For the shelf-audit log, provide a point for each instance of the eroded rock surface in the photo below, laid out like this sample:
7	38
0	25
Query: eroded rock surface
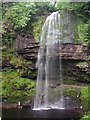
75	59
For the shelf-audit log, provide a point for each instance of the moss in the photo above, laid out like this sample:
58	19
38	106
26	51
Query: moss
15	60
88	58
72	92
85	98
37	27
0	74
69	81
28	62
86	116
84	92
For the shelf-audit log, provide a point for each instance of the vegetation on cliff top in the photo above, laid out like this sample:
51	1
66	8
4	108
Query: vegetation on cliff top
23	17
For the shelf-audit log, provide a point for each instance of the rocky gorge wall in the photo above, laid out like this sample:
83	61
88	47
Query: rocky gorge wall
75	60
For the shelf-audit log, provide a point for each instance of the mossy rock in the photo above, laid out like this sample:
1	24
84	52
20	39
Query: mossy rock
37	27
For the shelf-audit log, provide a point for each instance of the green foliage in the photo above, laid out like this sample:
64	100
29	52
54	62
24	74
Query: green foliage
67	81
8	39
15	18
82	11
81	8
15	88
45	7
63	5
37	27
0	11
10	54
84	93
85	98
1	27
86	116
19	17
72	92
88	57
19	14
23	16
83	30
0	74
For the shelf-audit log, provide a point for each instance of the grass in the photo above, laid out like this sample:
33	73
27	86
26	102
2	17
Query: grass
85	98
0	75
86	116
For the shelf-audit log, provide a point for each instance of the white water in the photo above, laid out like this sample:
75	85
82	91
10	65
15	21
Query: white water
49	87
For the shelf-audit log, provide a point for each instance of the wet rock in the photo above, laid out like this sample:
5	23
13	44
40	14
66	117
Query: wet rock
8	106
6	63
71	55
24	41
31	76
72	72
68	51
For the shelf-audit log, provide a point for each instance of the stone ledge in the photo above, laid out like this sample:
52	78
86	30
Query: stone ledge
67	51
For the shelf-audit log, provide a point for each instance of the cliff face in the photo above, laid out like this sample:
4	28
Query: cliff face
68	51
76	70
75	60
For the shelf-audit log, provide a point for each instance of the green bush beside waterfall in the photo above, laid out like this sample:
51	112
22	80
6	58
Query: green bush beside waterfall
16	89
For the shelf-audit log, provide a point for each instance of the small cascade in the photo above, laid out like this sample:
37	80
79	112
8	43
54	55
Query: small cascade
49	86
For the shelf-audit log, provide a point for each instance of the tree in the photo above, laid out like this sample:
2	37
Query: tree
83	12
15	18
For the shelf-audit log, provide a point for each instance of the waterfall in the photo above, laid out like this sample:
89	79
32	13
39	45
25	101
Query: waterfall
49	86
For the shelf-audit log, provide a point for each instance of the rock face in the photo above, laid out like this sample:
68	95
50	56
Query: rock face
6	63
23	41
75	60
68	51
74	52
73	70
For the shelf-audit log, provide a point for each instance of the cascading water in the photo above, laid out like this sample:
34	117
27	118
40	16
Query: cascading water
49	86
